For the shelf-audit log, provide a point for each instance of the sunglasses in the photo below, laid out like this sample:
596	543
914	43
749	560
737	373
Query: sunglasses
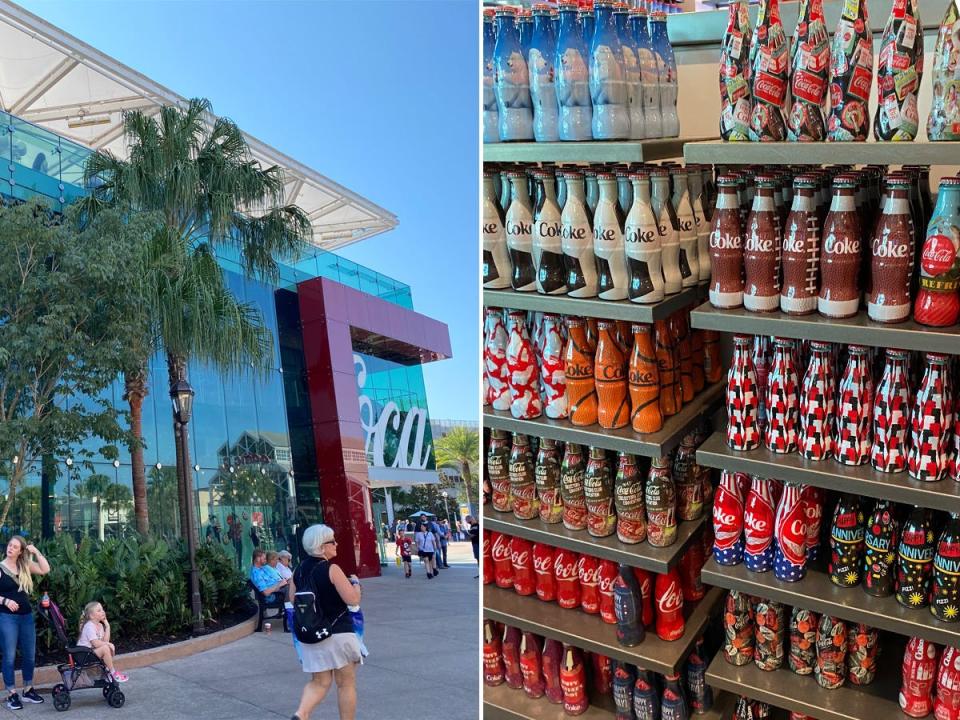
330	542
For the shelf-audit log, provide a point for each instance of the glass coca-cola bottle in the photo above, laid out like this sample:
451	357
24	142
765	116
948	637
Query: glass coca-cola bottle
769	49
491	121
546	245
938	302
540	61
644	382
598	492
553	378
726	246
761	250
577	240
801	250
840	262
888	293
511	79
579	372
628	47
810	58
686	229
735	74
649	73
666	217
851	75
660	497
608	81
899	72
496	258
573	87
642	244
700	222
846	542
519	227
547	476
891	415
743	432
608	246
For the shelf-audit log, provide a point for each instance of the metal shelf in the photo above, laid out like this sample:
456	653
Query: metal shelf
816	592
801	693
591	633
606	309
642	555
859	329
920	152
591	151
860	480
505	703
625	439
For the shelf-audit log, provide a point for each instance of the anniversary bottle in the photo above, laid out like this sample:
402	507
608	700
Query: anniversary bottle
840	263
540	61
915	561
899	71
579	370
769	61
608	82
572	470
577	240
608	246
547	474
938	303
573	87
598	493
801	249
660	497
846	542
511	80
851	75
642	245
728	521
743	432
735	74
491	122
523	379
880	543
496	259
498	470
891	269
945	592
551	277
629	501
644	382
726	246
613	408
666	224
817	404
810	59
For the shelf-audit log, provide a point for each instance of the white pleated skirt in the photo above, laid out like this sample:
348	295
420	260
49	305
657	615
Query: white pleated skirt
337	651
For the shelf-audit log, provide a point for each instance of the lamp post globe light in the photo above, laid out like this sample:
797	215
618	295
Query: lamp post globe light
446	508
182	396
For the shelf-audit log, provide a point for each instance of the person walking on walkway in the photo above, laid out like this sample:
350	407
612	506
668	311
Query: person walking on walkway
444	532
475	540
427	548
335	658
404	550
17	629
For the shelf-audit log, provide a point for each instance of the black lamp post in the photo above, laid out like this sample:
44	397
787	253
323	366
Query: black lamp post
182	395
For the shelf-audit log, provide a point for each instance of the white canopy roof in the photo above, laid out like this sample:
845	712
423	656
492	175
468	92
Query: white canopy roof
56	81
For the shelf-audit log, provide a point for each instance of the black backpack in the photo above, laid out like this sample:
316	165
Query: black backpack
310	624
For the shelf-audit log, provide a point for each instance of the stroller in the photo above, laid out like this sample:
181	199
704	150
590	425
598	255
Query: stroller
83	670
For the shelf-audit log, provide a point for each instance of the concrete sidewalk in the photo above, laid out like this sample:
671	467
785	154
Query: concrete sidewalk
424	662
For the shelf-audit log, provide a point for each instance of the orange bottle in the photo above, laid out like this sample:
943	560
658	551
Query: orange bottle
611	366
625	337
578	368
681	333
711	355
644	379
696	353
669	382
592	333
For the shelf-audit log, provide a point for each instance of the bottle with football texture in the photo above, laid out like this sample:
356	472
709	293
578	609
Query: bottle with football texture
519	229
851	75
686	230
577	240
540	61
598	492
511	657
891	269
808	77
929	423
642	244
613	405
572	82
643	378
770	65
700	222
846	542
573	681
801	250
628	604
915	561
521	558
531	665
543	560
666	217
491	124
511	80
495	371
880	544
608	81
631	66
496	258
840	261
899	72
566	564
572	470
667	70
498	470
726	247
728	521
817	405
547	474
735	74
579	368
855	409
790	533
758	519
629	501
938	302
553	377
522	479
919	674
660	498
649	73
743	432
608	244
761	250
668	597
945	592
545	244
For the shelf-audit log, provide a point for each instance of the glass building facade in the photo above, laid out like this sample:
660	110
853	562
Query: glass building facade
252	439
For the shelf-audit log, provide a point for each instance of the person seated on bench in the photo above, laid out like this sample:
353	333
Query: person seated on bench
265	578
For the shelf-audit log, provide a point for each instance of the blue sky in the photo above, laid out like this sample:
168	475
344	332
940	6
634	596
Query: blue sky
379	96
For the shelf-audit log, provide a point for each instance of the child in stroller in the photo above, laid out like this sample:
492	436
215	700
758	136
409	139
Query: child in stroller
83	668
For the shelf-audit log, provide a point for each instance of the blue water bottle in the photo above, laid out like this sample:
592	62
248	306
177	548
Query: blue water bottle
572	84
511	80
543	90
491	131
667	65
608	81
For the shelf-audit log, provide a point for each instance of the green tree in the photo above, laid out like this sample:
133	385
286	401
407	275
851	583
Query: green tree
63	332
460	449
162	501
197	173
25	510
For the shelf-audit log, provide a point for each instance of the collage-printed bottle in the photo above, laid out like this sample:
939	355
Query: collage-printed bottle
851	75
642	245
666	216
809	62
511	80
608	244
547	476
735	74
830	669
770	65
572	470
899	72
863	645
546	244
519	229
770	621
543	91
608	81
686	230
943	122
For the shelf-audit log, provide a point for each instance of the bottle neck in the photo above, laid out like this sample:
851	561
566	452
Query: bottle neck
520	190
549	188
608	190
488	190
727	198
763	200
843	200
803	198
641	190
575	188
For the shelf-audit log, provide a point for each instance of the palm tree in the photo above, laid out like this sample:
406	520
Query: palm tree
196	173
460	448
94	488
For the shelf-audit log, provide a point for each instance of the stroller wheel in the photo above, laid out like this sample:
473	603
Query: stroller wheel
116	698
106	690
61	697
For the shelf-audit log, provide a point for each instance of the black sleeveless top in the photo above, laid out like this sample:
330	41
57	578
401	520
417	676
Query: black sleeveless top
10	588
314	574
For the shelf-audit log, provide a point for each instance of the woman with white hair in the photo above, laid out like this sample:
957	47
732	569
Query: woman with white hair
283	564
334	658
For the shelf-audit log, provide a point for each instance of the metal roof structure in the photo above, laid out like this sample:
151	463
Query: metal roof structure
58	82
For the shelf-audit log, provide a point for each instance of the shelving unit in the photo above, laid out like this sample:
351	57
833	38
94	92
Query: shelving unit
829	474
919	152
623	440
642	555
592	633
591	307
859	329
620	151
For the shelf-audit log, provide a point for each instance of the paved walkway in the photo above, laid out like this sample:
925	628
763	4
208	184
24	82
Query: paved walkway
423	639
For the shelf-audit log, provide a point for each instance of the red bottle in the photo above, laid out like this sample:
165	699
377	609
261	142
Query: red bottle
946	706
919	672
790	549
855	409
492	654
669	603
488	576
761	250
690	566
550	660
938	303
511	658
728	521
783	399
500	553
531	665
566	571
743	431
573	681
546	582
929	429
588	572
891	415
758	521
608	573
521	557
840	261
522	365
602	674
817	404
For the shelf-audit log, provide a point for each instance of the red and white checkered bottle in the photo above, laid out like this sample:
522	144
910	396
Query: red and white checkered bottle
891	415
743	432
930	423
817	404
783	399
854	410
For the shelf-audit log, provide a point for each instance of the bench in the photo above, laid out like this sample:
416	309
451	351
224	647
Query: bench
264	604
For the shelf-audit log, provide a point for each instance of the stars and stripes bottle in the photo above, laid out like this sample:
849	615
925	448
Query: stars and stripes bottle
790	531
891	415
629	501
915	561
758	520
862	648
817	404
929	428
572	470
743	431
880	545
783	399
945	592
854	410
813	499
803	641
830	669
728	521
738	645
846	542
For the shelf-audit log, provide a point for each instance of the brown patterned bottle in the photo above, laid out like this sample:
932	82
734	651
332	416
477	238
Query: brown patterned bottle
523	483
498	470
801	250
644	382
891	268
579	370
840	260
547	475
598	492
726	246
761	250
613	409
572	470
669	382
681	331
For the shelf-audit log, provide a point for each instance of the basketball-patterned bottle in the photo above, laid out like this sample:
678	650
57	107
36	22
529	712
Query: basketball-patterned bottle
613	407
817	404
644	382
668	369
854	411
743	432
846	542
579	370
891	415
783	399
927	457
